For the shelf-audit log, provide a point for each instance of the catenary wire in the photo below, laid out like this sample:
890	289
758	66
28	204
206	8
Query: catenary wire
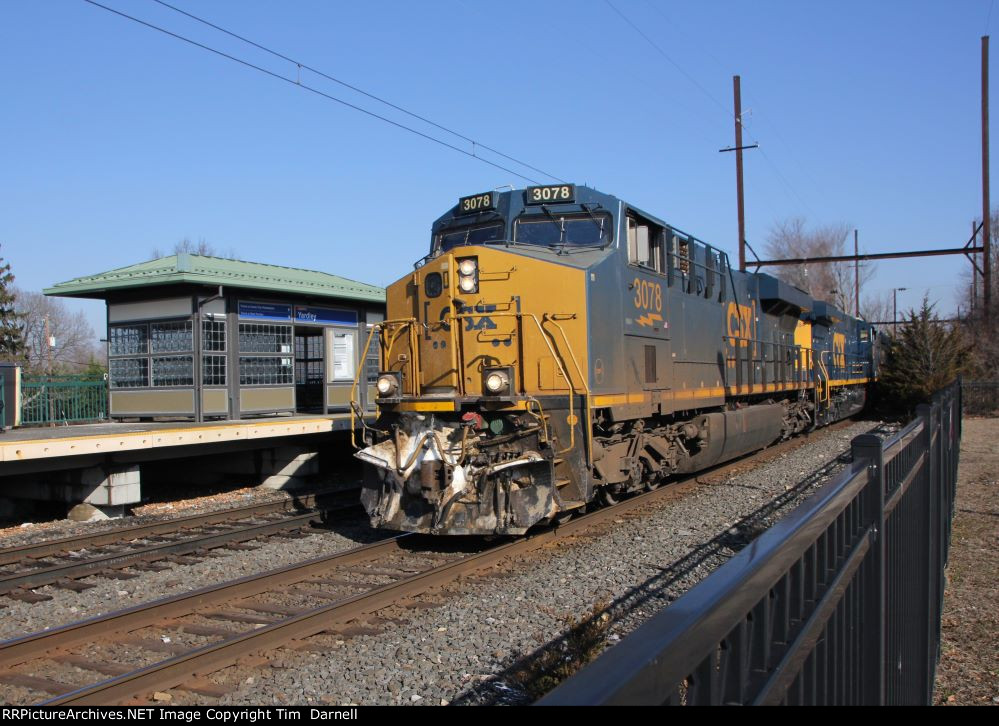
708	95
746	97
306	87
343	83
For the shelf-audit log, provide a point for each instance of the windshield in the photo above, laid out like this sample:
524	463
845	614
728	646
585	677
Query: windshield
560	229
469	236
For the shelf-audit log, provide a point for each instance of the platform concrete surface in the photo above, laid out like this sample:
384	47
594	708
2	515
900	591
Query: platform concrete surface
107	438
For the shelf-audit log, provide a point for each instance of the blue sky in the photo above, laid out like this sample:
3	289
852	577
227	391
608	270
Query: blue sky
117	139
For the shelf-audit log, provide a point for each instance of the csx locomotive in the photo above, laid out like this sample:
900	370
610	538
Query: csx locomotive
559	346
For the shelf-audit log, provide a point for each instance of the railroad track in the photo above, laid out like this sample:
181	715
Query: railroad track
175	642
63	562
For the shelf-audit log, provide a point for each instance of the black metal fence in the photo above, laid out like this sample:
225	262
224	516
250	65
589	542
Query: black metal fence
838	603
981	397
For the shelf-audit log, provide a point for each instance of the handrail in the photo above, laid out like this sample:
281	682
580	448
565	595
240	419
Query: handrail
825	374
760	627
456	330
404	323
555	357
586	389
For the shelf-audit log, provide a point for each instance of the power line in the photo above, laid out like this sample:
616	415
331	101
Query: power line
706	51
708	95
666	55
296	82
343	83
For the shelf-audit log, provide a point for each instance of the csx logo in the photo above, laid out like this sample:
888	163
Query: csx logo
839	350
482	323
740	320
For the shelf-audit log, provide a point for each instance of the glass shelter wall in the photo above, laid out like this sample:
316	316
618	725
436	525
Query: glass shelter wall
203	356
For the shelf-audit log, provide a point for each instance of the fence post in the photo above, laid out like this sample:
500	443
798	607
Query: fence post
867	447
934	535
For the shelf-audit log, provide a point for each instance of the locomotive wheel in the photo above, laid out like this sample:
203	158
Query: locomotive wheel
606	498
564	517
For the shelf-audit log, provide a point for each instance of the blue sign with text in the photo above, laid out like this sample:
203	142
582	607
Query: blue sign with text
264	311
324	316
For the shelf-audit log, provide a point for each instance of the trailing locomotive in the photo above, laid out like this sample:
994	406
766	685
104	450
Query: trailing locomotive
558	345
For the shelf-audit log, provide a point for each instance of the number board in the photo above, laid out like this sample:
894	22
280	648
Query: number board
551	194
476	203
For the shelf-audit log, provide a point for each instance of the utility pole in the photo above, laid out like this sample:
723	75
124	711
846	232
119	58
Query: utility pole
974	272
894	309
986	211
737	89
856	278
48	348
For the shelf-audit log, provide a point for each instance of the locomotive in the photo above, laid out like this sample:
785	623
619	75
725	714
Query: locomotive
559	346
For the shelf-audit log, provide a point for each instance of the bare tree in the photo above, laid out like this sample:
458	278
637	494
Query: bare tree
982	325
201	247
877	308
832	281
76	347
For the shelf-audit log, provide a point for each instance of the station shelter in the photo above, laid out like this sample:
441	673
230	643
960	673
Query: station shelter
206	338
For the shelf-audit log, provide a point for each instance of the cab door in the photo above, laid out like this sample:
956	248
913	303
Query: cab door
436	304
646	323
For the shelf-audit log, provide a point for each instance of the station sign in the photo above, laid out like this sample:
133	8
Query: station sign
264	311
324	316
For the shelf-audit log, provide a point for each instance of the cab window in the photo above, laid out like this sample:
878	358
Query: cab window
645	243
468	236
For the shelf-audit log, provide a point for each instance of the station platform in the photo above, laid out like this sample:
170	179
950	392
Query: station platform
27	444
102	464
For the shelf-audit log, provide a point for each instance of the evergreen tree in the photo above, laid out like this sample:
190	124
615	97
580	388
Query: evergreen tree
11	330
925	357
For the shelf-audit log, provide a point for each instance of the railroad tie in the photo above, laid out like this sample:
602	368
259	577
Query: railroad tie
118	574
273	608
210	631
313	592
35	683
149	566
336	582
110	669
157	646
74	585
204	687
238	617
28	596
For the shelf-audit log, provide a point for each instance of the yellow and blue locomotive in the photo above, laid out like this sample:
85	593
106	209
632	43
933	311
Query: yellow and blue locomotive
559	346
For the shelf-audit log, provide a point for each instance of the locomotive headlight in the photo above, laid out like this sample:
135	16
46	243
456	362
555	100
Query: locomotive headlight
468	274
387	384
497	380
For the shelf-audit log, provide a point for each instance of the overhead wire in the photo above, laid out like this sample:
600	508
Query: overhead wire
712	98
318	92
749	97
345	84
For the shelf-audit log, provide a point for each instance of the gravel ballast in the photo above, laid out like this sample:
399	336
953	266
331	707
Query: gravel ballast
485	631
472	642
222	565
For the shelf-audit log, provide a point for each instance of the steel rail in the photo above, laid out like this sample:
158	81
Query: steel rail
311	500
32	646
174	671
148	553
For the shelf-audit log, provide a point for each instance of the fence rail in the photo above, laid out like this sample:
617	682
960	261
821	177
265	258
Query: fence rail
981	397
61	399
838	603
